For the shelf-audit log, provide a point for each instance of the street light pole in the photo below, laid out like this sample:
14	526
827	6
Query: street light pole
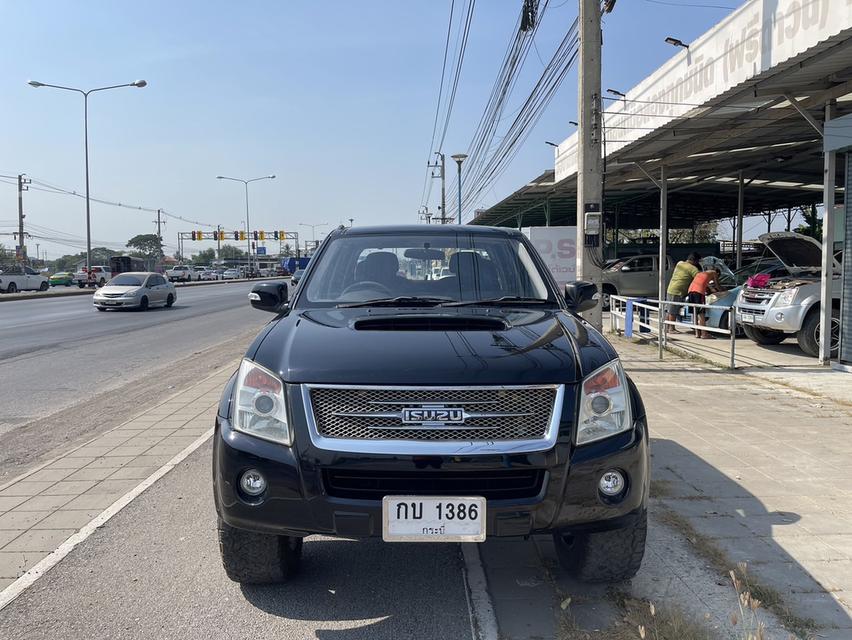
85	93
459	158
313	228
248	223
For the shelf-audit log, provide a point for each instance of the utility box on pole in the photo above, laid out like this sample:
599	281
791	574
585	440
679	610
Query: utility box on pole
590	161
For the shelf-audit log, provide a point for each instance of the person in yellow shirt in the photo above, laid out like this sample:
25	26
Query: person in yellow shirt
682	277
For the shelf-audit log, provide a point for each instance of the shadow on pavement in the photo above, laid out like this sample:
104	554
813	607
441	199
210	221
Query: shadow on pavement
787	539
371	589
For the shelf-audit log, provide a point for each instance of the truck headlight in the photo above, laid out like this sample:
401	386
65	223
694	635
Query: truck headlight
787	296
604	404
260	407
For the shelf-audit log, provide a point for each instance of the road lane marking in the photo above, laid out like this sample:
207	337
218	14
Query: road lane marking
483	622
46	564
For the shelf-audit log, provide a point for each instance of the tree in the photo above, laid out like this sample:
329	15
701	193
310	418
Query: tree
813	223
149	246
705	233
286	250
204	257
230	252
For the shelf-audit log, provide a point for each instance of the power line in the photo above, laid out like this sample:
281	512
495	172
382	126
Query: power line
691	5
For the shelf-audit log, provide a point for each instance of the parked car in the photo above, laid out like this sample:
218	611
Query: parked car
789	305
139	290
297	275
98	276
281	271
634	276
208	274
182	273
65	278
231	274
719	315
493	411
16	278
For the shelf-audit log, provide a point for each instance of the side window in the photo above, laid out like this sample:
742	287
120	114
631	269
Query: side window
642	264
30	272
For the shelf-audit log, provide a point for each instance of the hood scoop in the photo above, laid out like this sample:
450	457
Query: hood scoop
430	323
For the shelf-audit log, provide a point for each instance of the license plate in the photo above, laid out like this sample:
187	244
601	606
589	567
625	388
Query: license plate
433	519
110	304
748	318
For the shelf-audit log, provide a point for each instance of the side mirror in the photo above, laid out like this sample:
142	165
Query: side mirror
269	296
626	268
581	296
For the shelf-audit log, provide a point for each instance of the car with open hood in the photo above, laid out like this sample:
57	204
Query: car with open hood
789	305
383	402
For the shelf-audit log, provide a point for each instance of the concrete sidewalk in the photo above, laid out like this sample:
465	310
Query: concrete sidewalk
43	508
759	470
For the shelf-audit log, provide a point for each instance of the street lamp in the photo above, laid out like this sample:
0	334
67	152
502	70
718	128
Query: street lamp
616	92
248	224
675	42
136	83
459	158
313	228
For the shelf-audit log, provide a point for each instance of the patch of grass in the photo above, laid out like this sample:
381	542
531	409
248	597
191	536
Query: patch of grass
768	597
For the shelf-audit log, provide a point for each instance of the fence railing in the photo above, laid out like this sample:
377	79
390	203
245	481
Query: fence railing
638	315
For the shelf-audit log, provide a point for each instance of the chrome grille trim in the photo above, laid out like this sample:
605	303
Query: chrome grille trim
476	441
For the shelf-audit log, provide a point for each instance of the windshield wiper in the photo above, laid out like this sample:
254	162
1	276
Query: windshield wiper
413	301
497	301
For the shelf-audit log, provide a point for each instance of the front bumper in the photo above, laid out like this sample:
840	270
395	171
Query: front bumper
115	303
772	317
300	499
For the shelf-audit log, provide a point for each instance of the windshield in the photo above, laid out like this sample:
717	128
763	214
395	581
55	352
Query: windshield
448	267
126	281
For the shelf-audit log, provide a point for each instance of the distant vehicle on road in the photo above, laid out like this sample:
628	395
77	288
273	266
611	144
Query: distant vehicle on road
123	264
231	274
62	278
99	276
182	273
297	276
17	278
135	290
208	274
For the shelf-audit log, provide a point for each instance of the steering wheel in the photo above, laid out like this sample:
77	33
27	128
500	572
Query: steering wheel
366	285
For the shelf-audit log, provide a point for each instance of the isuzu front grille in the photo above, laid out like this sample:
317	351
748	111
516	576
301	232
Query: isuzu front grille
348	418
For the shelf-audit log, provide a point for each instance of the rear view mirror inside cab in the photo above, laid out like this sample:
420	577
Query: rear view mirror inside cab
424	254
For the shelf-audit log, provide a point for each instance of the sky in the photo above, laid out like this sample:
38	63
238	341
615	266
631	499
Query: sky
336	98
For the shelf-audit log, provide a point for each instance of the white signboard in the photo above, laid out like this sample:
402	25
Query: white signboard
758	36
558	249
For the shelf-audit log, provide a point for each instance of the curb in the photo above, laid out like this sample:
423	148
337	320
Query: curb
4	297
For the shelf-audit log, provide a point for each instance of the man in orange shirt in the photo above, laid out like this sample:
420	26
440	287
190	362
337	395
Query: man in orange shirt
704	283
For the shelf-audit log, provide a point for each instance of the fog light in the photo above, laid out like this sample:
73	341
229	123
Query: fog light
779	316
611	483
252	482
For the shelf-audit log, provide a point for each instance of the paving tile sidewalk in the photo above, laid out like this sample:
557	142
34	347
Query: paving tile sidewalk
46	506
762	469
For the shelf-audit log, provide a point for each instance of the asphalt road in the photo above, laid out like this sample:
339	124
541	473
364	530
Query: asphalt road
153	571
58	352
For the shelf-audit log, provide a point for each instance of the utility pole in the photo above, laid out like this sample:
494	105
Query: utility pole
442	176
219	242
424	214
22	186
590	165
159	226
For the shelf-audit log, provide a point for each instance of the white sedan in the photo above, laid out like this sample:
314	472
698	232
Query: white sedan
136	290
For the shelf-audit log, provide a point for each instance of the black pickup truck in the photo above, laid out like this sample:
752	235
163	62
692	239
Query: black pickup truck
385	401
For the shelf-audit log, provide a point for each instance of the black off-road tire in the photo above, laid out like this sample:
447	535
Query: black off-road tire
603	556
763	336
170	300
258	558
808	335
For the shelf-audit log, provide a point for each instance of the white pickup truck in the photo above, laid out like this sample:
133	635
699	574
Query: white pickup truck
99	276
17	278
183	273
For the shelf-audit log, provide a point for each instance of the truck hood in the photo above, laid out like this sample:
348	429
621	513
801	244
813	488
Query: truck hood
798	253
431	347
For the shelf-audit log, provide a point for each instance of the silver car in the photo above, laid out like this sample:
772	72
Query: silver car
136	290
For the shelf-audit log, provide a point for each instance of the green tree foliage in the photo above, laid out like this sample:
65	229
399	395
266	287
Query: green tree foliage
286	250
147	245
230	252
812	225
204	257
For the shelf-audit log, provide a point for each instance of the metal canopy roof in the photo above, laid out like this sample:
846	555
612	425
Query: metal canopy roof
753	128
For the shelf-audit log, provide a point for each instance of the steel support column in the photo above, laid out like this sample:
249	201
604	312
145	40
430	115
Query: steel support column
829	174
738	241
664	241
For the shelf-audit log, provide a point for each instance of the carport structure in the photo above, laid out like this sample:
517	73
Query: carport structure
729	127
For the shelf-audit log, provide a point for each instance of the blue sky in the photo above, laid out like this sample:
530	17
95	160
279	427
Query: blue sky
336	98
